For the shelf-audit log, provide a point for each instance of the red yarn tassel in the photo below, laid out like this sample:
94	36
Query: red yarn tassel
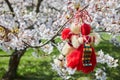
73	59
88	69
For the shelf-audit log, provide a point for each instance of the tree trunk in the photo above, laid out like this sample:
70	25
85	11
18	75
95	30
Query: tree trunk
13	65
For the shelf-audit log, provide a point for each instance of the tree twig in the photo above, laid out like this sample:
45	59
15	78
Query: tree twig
53	8
38	5
10	7
57	33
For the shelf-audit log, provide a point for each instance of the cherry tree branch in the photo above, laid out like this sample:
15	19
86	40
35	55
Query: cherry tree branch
53	8
10	7
57	33
38	5
37	11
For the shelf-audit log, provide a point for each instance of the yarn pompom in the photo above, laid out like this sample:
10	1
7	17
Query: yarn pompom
85	29
65	33
75	28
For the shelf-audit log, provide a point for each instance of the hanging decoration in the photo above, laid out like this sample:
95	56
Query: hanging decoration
83	58
78	53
